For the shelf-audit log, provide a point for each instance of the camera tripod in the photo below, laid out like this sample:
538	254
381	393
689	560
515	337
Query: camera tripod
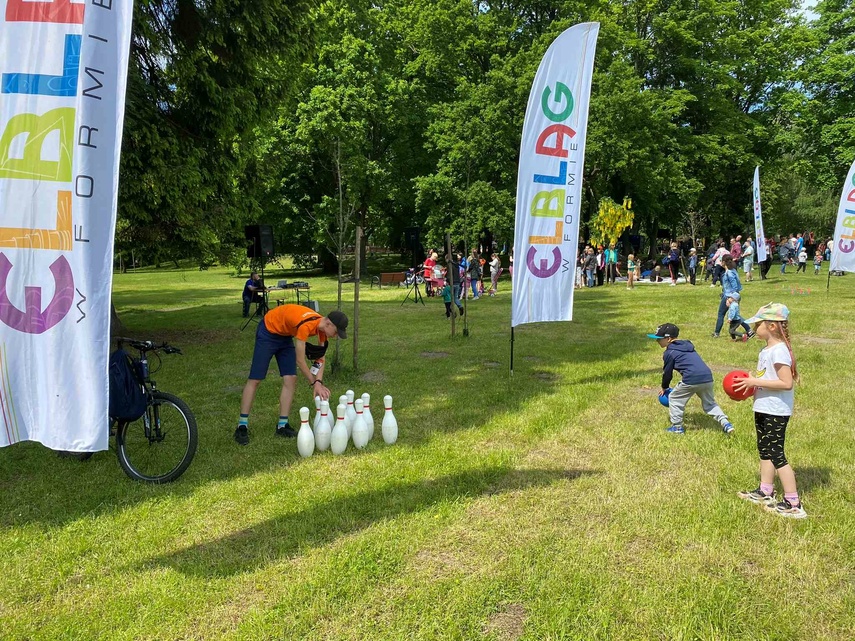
414	290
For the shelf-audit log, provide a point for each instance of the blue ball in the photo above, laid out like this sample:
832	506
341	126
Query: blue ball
664	398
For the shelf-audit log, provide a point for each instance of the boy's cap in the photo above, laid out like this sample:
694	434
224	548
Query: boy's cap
666	330
734	295
770	312
339	319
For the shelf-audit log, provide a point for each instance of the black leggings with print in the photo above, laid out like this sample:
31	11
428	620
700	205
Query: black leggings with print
771	430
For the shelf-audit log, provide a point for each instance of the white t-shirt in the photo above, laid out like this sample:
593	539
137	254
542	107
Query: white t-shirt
776	402
803	256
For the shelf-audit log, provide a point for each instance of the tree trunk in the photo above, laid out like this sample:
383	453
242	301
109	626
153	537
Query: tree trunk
356	272
450	279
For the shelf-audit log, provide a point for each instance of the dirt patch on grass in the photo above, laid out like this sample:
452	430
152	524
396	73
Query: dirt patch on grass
545	376
373	377
491	364
508	623
646	390
435	354
531	359
233	389
819	340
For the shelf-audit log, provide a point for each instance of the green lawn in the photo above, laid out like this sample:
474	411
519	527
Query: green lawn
550	505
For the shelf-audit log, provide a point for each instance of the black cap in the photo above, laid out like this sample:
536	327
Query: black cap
339	319
665	330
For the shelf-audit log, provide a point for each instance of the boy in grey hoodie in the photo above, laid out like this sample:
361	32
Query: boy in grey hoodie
697	379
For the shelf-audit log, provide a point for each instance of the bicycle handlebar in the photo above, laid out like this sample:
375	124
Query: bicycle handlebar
148	346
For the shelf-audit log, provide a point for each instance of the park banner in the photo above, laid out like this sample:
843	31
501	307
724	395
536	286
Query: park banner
549	185
759	234
843	249
63	68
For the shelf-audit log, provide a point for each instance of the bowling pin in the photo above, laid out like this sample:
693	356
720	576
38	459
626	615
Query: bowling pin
305	438
366	414
323	430
389	427
350	415
317	412
360	428
342	400
338	439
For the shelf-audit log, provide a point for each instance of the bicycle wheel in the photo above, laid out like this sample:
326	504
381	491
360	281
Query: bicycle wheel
159	446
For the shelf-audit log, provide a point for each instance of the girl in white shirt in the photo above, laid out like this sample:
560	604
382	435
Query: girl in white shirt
773	406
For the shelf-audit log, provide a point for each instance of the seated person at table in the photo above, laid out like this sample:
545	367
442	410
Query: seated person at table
252	292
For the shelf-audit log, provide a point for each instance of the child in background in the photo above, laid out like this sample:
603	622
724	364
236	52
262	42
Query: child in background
495	271
697	379
802	261
446	298
693	265
630	271
735	319
817	262
773	406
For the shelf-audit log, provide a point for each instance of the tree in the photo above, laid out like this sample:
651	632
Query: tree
201	77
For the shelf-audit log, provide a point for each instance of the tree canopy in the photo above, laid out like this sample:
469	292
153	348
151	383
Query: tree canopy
316	116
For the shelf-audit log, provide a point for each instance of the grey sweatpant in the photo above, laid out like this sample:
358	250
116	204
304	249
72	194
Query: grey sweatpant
681	394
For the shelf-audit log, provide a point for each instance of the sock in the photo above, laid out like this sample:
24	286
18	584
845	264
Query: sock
767	488
243	421
283	421
793	498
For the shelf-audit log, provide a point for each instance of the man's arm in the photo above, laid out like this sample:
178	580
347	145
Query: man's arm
318	389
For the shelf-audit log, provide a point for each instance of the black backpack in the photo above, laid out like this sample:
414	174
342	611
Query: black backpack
127	398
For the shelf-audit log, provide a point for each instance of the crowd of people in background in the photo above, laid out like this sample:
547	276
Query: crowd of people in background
599	265
461	275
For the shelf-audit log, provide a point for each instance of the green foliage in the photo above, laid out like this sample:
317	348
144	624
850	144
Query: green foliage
201	77
316	117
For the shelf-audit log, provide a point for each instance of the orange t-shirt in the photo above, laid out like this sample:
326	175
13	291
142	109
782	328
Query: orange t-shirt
286	320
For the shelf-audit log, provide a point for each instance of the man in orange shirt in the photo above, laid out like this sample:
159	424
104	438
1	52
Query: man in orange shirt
284	333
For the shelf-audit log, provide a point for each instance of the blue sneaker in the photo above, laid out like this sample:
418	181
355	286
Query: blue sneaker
728	428
676	429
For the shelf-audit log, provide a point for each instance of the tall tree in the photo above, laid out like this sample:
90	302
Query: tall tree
201	77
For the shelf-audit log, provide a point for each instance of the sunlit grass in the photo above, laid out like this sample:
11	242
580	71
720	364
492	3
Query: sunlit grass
549	505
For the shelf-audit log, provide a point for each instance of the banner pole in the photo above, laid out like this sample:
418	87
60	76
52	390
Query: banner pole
512	350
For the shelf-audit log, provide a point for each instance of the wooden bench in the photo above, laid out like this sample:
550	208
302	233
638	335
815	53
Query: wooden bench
388	278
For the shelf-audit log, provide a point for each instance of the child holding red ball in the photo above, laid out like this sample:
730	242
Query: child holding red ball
773	406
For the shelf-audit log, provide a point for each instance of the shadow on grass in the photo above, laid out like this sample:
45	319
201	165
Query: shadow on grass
285	536
456	394
812	478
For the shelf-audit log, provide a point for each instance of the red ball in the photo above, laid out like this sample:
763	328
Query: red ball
728	382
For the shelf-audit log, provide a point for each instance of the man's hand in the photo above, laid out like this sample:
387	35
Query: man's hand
318	389
662	392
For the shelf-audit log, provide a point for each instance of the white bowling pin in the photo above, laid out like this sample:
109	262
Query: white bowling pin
317	412
350	415
389	427
338	439
342	400
360	427
305	438
366	414
323	430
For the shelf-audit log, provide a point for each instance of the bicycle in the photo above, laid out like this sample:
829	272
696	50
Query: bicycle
160	445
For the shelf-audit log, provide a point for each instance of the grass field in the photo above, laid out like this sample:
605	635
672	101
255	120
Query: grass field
551	505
